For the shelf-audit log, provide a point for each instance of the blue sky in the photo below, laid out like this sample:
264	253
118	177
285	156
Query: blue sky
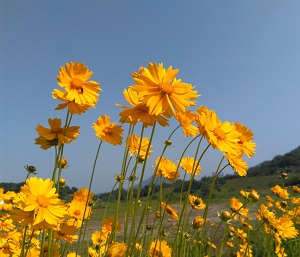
242	56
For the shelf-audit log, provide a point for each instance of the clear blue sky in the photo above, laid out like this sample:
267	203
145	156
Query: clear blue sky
242	56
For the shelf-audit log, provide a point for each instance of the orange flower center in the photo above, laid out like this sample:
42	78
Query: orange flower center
242	139
77	83
107	130
77	212
42	201
219	133
166	88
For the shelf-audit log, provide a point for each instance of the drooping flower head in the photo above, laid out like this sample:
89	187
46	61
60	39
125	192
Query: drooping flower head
237	163
73	78
185	119
107	131
160	248
56	135
162	92
245	139
169	210
139	112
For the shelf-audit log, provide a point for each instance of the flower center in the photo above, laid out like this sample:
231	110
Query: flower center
197	202
219	133
107	130
77	83
42	201
166	88
77	212
242	139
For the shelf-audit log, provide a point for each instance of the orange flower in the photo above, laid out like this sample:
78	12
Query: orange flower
108	132
136	145
139	112
196	202
162	92
185	119
160	248
56	135
169	210
166	168
189	165
73	78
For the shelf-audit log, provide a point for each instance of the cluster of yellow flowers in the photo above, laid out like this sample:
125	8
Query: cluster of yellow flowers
36	222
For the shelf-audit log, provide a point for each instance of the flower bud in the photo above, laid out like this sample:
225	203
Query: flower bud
284	175
187	236
148	227
283	204
254	196
63	162
198	222
119	178
30	169
168	142
224	216
62	182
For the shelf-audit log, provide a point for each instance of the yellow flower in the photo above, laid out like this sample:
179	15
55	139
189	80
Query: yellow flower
107	226
139	112
281	192
76	210
160	248
41	202
237	163
162	92
198	222
196	202
73	108
72	254
116	249
166	168
285	227
169	210
189	165
245	139
82	194
73	78
296	189
108	132
136	145
185	119
56	135
67	233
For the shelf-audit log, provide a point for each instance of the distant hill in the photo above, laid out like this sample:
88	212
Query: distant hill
289	163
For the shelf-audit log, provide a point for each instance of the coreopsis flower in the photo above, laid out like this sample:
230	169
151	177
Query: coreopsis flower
169	210
280	251
189	165
167	169
136	145
41	204
237	206
237	163
162	92
79	210
56	135
73	107
245	250
196	202
296	189
99	239
107	131
285	227
107	226
245	139
160	248
116	249
185	119
83	195
74	79
267	216
67	233
6	224
221	135
281	192
73	254
139	112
